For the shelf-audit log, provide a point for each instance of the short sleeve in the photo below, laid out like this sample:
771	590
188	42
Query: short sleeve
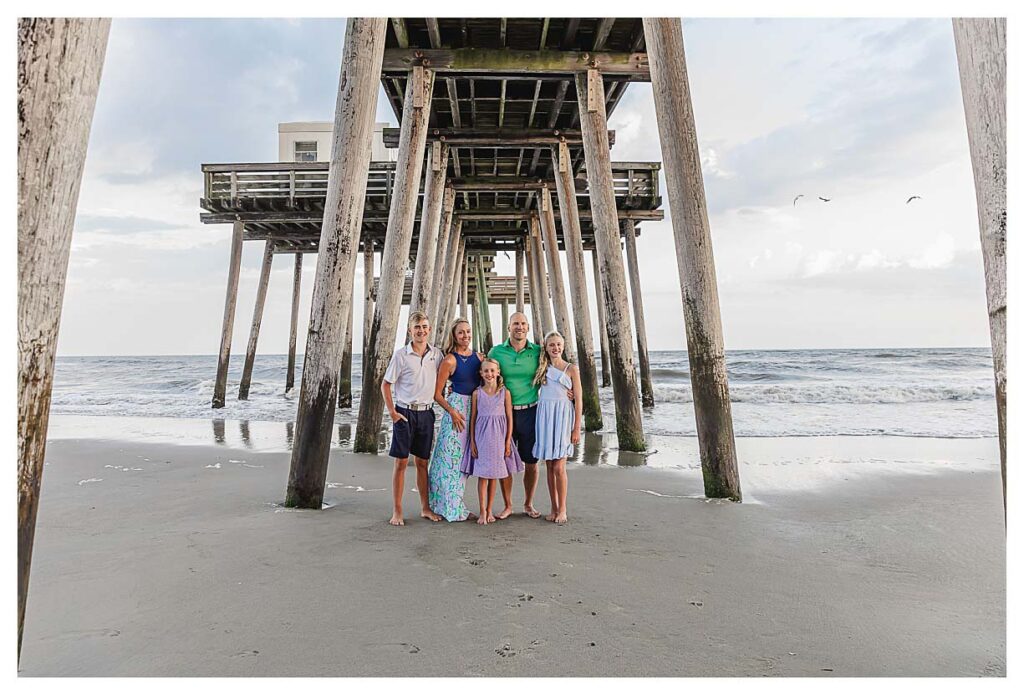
394	368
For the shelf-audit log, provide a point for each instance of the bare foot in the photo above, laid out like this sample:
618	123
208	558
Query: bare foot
531	512
505	513
491	519
551	516
482	521
561	518
427	514
396	519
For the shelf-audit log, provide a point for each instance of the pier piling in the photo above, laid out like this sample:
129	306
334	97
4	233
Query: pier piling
361	62
684	181
593	121
395	259
257	319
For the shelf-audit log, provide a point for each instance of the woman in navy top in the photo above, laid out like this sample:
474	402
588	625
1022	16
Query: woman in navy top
462	366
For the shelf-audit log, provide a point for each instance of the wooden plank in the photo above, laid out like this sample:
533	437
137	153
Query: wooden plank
628	418
571	27
604	28
981	56
59	67
543	286
503	137
433	32
355	110
500	61
575	263
394	263
697	283
449	279
401	32
453	103
257	319
293	323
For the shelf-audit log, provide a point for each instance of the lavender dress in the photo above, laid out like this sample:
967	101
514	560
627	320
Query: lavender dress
491	430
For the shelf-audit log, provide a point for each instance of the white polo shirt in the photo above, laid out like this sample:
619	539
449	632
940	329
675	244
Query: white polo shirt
413	376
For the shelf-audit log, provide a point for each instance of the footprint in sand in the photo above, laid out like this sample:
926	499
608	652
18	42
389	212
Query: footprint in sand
407	647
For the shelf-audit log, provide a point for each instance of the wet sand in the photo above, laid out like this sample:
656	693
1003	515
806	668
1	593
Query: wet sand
154	559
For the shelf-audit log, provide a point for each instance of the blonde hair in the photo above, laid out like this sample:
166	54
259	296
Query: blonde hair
491	360
449	343
417	316
541	376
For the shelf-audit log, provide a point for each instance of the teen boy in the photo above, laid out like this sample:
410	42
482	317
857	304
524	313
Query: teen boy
410	380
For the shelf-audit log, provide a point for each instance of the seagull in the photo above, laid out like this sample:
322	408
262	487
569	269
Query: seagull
797	198
913	197
824	200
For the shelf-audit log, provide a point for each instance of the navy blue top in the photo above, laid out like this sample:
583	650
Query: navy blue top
466	376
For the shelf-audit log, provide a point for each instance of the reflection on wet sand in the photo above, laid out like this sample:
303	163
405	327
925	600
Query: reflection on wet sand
595	449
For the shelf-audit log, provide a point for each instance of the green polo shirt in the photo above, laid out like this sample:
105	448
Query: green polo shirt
518	369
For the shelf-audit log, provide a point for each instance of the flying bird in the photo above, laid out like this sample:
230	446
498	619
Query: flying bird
913	197
824	200
797	198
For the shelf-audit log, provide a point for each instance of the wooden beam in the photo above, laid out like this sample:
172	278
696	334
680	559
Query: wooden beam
257	319
602	326
354	114
345	373
394	263
497	137
445	240
430	222
448	280
628	418
520	295
433	32
220	383
59	67
369	293
293	323
575	263
571	27
604	28
981	56
554	272
453	103
531	279
543	286
500	61
401	32
697	283
635	291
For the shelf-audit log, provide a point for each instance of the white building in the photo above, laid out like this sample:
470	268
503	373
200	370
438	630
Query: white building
310	141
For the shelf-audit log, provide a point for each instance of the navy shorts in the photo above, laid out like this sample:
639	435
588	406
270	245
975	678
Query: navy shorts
414	435
524	432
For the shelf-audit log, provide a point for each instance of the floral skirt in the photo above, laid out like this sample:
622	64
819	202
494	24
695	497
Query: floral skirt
447	482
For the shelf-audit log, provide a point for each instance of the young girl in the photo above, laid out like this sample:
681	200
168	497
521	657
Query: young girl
490	455
558	419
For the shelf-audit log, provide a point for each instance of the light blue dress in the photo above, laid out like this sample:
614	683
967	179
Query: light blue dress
556	416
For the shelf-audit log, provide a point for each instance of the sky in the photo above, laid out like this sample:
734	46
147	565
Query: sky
864	112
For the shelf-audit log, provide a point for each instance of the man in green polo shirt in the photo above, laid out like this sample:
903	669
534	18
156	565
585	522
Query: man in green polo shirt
519	359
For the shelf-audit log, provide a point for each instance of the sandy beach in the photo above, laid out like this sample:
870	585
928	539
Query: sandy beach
160	559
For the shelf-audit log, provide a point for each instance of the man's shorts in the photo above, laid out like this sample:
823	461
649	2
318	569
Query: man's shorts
524	432
414	435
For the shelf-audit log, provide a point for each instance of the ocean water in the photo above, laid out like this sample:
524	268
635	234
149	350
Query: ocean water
775	393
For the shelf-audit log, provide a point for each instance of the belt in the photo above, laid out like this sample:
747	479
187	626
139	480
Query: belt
414	406
523	407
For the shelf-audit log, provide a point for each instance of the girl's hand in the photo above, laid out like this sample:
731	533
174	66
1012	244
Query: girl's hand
458	420
472	450
575	435
571	395
508	449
